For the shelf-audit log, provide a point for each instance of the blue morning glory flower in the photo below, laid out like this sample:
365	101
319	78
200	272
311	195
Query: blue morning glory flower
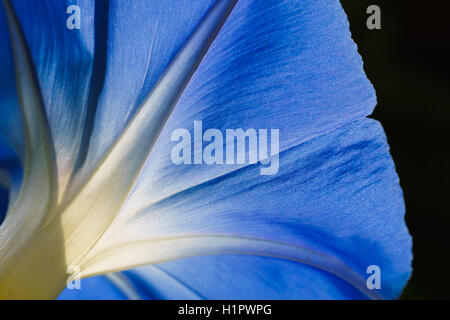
115	156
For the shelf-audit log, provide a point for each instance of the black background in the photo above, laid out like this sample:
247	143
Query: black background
408	63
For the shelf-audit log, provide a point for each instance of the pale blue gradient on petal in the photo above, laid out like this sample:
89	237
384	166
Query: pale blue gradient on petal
138	51
289	65
337	194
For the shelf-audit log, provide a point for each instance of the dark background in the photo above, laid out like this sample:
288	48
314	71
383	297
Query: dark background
408	62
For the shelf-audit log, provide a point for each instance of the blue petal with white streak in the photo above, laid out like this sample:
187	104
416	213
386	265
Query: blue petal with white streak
337	194
63	60
287	65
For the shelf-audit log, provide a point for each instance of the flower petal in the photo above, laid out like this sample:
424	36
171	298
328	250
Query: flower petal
11	127
3	202
336	195
12	146
11	175
36	197
63	60
242	278
8	161
287	65
87	215
225	277
137	53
